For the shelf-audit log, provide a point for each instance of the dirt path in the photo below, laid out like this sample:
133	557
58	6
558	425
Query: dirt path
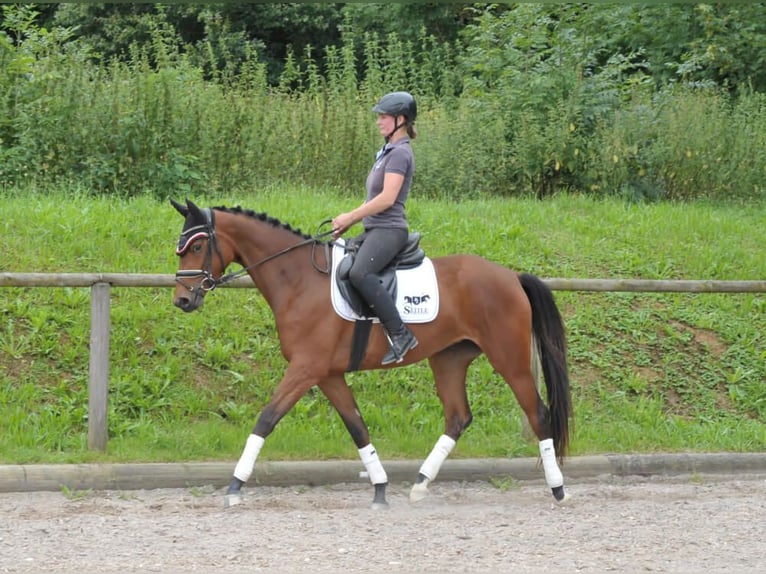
684	525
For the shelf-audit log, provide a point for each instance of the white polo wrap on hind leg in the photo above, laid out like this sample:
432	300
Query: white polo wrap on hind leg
431	465
553	475
372	463
246	463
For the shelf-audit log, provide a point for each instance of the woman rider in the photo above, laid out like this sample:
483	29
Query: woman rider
384	219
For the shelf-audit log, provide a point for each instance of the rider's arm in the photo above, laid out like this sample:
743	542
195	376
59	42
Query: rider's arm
392	183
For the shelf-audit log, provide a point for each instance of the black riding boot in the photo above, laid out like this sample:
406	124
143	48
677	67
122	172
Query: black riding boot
400	338
401	341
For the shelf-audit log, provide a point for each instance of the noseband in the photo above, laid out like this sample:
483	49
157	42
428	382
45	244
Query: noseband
207	230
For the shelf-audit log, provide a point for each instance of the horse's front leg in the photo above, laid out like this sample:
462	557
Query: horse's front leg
293	386
341	397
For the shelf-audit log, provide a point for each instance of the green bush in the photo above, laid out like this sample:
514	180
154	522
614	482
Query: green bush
527	107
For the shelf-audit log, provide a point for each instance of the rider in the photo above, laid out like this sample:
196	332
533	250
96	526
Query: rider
383	216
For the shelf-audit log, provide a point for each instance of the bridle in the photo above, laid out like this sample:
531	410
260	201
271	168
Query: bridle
207	230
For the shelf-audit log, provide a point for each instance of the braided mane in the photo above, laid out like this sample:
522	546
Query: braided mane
262	217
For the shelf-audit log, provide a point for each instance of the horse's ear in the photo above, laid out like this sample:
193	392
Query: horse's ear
182	209
194	210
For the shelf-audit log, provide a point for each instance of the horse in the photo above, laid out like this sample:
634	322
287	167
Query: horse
484	307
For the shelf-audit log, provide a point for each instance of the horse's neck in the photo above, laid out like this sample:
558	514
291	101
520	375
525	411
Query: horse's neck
285	277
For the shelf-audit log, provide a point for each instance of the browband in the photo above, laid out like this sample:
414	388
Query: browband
183	242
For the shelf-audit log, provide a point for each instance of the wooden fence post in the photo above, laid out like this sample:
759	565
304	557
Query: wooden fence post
98	388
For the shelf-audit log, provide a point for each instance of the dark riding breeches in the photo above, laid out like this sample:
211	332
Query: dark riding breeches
380	245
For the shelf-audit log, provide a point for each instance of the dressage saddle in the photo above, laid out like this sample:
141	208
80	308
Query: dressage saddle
411	255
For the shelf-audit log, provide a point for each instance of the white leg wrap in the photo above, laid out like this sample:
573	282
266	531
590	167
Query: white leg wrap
246	463
430	467
372	463
553	475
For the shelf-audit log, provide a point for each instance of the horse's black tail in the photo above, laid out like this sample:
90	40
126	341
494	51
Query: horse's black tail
548	329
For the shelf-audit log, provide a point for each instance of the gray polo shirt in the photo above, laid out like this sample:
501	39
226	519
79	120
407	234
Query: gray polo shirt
393	158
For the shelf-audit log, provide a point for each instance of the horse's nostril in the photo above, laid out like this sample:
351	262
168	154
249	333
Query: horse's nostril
187	304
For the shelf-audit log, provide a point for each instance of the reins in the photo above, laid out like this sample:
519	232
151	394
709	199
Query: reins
209	282
315	239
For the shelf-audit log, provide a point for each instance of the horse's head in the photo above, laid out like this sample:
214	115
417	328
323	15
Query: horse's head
201	261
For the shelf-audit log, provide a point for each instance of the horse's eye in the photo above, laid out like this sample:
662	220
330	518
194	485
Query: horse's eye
196	248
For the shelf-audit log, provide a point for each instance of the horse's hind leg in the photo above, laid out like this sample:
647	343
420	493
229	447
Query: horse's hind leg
341	397
515	364
449	368
537	373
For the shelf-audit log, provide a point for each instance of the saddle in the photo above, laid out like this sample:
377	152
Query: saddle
410	256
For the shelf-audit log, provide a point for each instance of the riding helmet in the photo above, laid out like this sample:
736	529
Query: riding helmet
398	104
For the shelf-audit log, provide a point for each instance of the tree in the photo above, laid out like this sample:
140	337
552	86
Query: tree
443	20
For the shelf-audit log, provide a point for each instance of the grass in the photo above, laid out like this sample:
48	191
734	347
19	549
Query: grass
650	372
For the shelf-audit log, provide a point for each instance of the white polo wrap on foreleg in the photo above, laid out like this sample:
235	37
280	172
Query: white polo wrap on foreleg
553	475
246	463
372	463
430	467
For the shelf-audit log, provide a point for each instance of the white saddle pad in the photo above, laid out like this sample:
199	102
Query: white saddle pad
417	293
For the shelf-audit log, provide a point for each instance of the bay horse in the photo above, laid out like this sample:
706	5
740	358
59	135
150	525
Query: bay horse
483	308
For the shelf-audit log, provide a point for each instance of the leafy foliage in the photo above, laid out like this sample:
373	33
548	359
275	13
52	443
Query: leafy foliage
645	102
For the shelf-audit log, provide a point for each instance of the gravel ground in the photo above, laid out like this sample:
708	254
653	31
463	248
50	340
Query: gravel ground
690	524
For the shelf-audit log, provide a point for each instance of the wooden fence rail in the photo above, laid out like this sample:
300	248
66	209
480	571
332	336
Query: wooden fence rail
557	284
100	321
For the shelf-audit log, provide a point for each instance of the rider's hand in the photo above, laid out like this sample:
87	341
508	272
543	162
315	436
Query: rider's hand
341	224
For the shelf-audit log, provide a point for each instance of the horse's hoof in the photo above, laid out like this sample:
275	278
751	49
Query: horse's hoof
232	500
379	500
564	501
419	492
560	495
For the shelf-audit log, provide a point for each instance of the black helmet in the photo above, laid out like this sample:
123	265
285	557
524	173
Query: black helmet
398	104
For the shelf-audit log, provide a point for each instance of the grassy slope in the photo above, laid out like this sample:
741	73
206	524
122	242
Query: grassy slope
649	371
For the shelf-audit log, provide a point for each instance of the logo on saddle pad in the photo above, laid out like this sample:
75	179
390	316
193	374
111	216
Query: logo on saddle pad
416	305
415	290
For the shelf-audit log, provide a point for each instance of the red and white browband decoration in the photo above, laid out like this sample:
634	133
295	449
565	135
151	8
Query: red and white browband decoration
183	246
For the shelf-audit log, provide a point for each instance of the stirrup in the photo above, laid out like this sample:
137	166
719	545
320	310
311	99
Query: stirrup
394	356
